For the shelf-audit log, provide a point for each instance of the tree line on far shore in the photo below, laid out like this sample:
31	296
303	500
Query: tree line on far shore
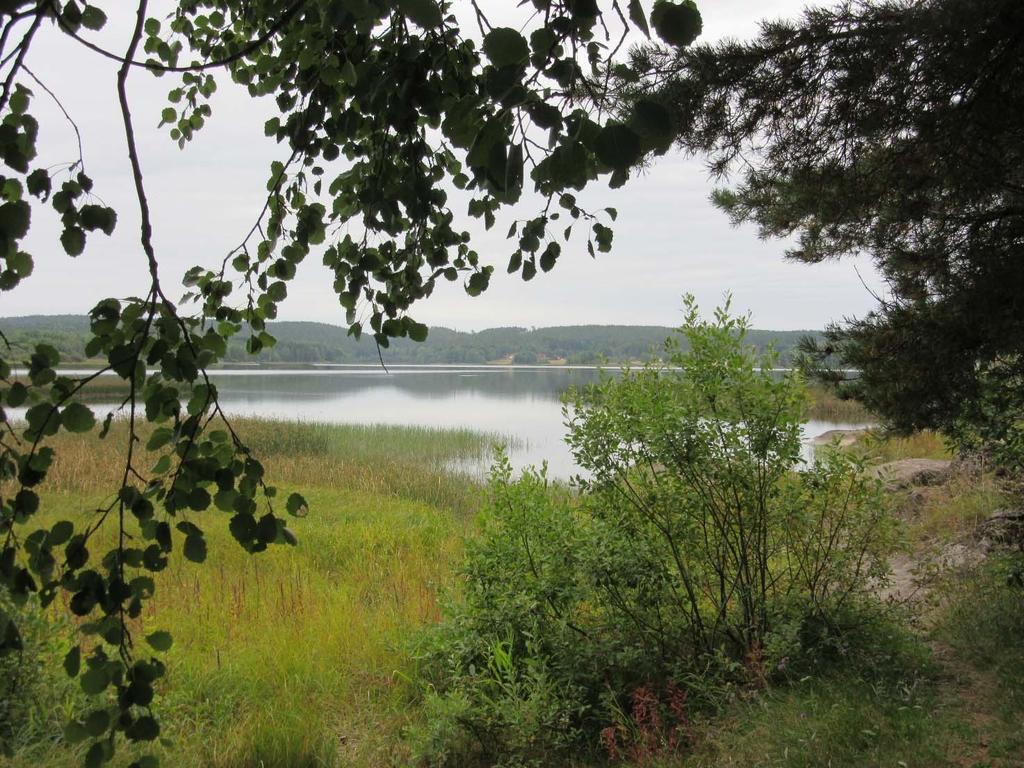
307	342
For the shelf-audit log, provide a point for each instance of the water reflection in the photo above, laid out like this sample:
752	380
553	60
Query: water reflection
520	403
524	403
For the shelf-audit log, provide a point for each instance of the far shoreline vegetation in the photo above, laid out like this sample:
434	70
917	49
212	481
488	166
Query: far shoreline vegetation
300	342
637	344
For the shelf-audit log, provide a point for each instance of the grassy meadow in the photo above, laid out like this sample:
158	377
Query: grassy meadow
296	656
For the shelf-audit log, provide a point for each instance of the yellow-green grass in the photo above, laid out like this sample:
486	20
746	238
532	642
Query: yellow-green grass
407	462
296	656
948	511
881	447
949	694
952	511
953	697
944	691
825	405
842	721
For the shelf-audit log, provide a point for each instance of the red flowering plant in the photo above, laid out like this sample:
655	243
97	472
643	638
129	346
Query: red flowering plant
656	722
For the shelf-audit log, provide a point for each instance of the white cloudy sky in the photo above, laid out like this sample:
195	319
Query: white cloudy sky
668	238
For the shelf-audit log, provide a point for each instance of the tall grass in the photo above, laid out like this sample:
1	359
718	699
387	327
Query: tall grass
925	444
293	657
418	463
825	405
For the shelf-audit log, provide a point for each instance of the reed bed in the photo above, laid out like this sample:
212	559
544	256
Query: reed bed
99	390
825	405
417	463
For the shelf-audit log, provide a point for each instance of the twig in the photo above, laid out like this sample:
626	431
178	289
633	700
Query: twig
156	67
22	49
74	125
380	356
146	236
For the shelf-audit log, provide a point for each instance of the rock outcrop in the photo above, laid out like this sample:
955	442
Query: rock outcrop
1004	527
842	437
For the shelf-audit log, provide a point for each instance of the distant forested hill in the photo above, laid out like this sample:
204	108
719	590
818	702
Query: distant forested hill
302	342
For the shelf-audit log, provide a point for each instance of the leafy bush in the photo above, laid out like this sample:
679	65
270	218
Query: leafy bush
698	554
990	427
511	672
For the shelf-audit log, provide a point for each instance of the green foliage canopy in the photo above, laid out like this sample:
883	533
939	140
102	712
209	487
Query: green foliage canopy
383	107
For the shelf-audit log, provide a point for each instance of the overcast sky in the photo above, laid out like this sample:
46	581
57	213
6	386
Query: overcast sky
669	239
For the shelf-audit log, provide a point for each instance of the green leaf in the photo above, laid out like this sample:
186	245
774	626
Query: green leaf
160	640
77	418
75	732
618	146
195	548
426	13
550	256
97	722
19	100
97	755
652	122
60	533
73	240
94	681
243	528
17	394
417	331
144	729
638	17
73	661
160	437
505	47
38	183
14	219
297	506
348	73
477	283
678	24
93	18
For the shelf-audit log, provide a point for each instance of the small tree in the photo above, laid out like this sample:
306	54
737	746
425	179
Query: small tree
693	479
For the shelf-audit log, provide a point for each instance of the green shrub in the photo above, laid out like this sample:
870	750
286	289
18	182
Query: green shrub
698	554
509	672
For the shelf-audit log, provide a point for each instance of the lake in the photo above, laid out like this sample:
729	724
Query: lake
522	402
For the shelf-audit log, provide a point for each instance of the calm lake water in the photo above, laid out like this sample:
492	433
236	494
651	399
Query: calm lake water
521	402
